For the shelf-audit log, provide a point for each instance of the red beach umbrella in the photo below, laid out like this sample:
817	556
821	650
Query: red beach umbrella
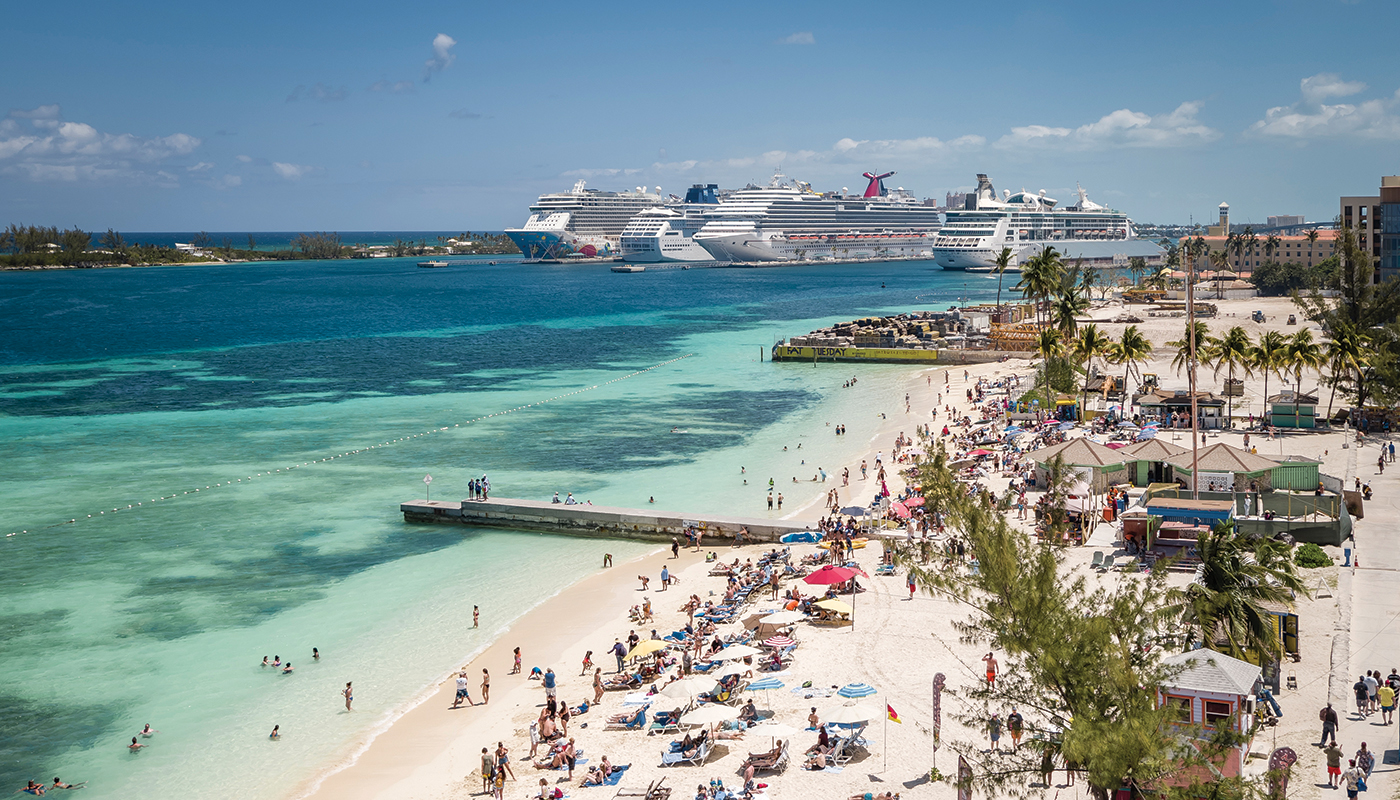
780	641
913	502
900	510
830	574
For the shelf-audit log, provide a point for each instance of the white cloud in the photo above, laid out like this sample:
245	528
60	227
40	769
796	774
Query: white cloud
290	171
245	159
1122	128
1312	119
1328	84
801	37
393	87
203	166
319	92
229	181
53	149
442	56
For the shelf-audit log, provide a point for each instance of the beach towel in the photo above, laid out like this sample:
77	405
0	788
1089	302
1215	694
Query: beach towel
809	692
616	775
834	770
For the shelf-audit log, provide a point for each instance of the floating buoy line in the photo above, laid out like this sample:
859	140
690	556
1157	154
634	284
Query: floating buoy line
283	470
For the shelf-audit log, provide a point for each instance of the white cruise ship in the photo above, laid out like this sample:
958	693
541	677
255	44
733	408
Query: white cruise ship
1024	222
787	221
582	223
666	233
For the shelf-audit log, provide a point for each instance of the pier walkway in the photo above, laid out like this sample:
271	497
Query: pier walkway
585	520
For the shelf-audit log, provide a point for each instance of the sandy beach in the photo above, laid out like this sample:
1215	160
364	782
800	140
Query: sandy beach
897	644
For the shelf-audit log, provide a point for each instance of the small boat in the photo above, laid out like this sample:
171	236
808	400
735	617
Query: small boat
433	264
679	430
629	268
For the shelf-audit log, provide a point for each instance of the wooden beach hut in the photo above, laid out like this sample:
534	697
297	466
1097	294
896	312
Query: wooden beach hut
1224	469
1209	689
1283	413
1149	461
1099	466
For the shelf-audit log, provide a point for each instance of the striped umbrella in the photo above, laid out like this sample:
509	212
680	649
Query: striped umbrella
780	641
766	685
856	690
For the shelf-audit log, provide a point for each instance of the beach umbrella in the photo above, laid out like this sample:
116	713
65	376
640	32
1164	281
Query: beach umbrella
783	618
1066	426
914	502
1127	424
780	641
732	668
736	651
854	690
1147	433
831	574
851	715
899	510
839	606
980	452
690	687
767	685
709	714
773	729
647	648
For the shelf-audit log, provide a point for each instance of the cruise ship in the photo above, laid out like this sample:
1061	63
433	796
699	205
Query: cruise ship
787	221
666	233
582	223
972	237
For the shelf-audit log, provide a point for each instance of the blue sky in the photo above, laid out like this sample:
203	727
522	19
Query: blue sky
428	116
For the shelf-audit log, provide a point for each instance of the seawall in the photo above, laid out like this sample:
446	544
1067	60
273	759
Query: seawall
583	520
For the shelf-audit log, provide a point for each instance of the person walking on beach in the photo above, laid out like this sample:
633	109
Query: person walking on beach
619	651
486	688
476	617
994	732
675	548
587	662
1334	764
598	685
488	770
1328	716
516	669
991	663
349	695
1015	725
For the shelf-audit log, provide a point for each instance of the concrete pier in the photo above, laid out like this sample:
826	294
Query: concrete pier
602	521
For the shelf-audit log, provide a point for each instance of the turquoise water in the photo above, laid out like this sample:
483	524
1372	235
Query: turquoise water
297	392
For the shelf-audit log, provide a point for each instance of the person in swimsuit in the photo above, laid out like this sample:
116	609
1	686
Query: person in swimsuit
516	670
148	732
276	733
264	663
349	695
476	617
135	745
485	686
31	788
991	663
315	654
276	662
503	758
58	784
587	662
287	670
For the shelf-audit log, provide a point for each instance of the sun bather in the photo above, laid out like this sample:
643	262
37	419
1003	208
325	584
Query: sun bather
597	775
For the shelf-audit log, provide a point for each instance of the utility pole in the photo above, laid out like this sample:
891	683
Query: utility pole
1191	365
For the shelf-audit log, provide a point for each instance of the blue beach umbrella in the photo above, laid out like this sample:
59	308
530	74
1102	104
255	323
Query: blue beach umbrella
1066	426
856	690
1147	433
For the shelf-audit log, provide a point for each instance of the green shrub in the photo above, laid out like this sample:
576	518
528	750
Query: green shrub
1310	556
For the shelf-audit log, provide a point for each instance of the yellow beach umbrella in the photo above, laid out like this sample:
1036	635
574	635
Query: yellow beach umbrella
647	648
839	606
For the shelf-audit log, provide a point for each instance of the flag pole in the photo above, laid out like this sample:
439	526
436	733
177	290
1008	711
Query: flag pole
885	767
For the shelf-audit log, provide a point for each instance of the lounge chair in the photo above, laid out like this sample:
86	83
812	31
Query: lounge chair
697	757
1108	563
622	682
1097	563
628	723
654	791
668	721
775	760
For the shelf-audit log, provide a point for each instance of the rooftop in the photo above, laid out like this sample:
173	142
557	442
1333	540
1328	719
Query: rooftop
1209	671
1222	457
1079	453
1152	450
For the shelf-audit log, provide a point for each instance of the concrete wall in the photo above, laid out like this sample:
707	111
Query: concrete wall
582	520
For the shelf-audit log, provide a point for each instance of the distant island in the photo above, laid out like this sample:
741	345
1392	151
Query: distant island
39	247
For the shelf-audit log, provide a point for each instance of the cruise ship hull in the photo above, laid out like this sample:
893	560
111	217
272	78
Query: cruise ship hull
780	247
537	244
659	249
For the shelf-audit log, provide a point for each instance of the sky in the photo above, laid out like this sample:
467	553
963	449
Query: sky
359	115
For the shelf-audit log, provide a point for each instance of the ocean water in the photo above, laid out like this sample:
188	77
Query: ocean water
232	443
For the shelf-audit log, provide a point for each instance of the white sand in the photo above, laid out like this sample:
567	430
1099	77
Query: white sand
896	645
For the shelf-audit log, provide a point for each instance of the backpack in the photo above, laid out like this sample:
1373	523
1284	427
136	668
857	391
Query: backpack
1322	715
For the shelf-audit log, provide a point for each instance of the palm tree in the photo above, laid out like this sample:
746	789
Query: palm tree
1003	261
1238	575
1040	277
1271	246
1132	349
1221	261
1232	351
1091	344
1311	236
1236	243
1269	355
1302	353
1250	240
1348	351
1050	345
1205	344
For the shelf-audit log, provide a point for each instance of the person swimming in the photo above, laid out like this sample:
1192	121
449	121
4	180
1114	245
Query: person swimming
315	654
135	745
276	732
148	732
287	670
264	663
